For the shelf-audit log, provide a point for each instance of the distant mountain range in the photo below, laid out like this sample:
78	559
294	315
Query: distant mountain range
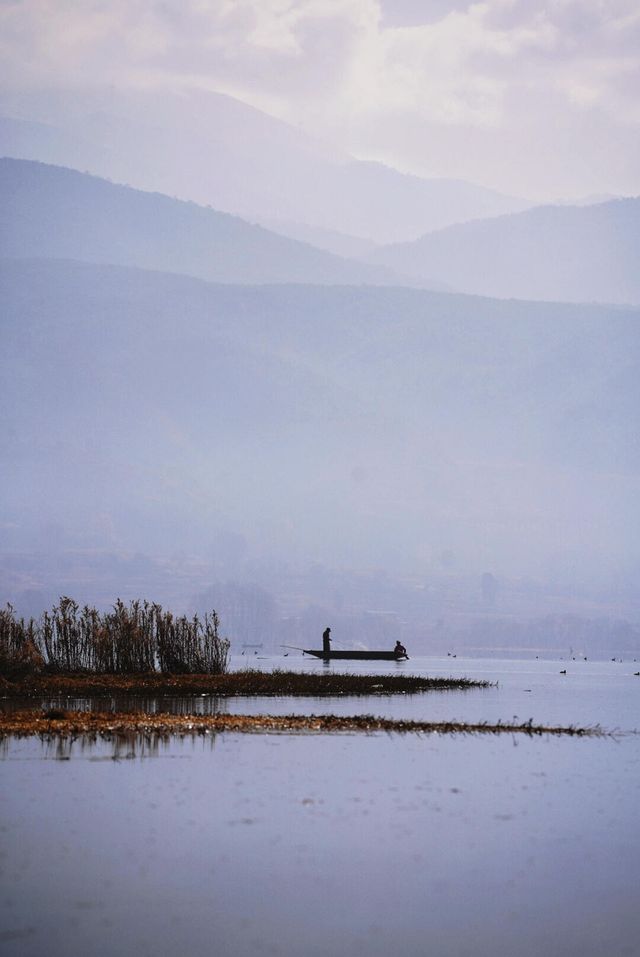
52	212
568	253
215	150
365	427
563	253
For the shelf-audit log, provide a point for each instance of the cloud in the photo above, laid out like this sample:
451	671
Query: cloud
342	68
342	53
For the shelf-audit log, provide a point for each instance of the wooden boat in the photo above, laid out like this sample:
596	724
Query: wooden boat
354	655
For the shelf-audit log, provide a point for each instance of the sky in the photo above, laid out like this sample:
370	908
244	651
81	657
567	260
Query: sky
540	99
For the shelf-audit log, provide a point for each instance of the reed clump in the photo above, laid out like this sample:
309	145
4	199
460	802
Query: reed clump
130	639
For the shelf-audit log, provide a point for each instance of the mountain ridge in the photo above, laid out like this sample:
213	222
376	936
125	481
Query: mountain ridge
553	252
215	149
53	211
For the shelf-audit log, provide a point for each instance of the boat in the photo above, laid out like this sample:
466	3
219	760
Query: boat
355	655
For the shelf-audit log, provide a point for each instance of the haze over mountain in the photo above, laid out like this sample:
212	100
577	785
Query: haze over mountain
215	150
49	211
328	239
360	427
576	254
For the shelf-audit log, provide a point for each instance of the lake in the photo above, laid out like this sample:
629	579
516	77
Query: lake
348	844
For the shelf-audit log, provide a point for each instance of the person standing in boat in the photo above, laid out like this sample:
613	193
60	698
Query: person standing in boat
326	641
400	650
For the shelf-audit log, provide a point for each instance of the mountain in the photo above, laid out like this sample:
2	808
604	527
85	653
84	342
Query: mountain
576	254
48	211
215	150
357	426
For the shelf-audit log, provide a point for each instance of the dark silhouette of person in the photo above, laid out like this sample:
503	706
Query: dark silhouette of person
326	641
400	650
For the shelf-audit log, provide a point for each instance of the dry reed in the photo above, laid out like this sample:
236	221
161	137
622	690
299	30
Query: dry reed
60	723
131	639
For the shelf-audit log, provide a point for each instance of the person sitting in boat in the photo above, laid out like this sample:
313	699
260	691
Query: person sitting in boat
326	641
400	650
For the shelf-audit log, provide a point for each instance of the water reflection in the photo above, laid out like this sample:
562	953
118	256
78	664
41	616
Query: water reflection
120	746
202	704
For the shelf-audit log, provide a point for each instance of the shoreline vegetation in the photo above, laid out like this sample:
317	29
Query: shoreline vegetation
56	724
248	682
130	639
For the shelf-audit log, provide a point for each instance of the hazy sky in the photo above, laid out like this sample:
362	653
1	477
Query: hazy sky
536	98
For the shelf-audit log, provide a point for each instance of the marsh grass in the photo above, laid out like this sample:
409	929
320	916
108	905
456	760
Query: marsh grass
130	639
247	682
93	725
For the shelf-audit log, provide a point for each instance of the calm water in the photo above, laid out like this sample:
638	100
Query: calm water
324	845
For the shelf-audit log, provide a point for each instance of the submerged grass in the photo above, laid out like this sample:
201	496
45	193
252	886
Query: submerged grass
235	683
55	724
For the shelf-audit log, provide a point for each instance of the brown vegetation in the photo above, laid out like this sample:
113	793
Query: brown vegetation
249	682
57	723
140	637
